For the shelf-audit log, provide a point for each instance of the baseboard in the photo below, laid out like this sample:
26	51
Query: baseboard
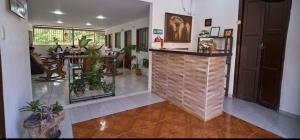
289	114
70	106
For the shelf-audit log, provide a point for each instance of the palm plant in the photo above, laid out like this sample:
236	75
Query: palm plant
34	106
57	108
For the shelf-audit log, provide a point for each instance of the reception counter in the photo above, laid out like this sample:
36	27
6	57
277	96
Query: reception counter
192	80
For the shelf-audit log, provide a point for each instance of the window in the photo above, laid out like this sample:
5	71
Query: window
44	36
142	39
118	40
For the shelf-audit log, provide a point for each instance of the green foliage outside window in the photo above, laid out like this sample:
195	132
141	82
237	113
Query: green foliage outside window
44	36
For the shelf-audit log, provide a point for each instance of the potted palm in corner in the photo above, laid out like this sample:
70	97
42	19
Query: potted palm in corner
137	50
44	119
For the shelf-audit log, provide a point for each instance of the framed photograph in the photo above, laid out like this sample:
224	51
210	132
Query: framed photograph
214	31
19	7
228	32
208	22
178	28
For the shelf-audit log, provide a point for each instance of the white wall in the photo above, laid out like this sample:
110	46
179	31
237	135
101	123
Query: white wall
224	13
290	93
15	69
158	10
133	26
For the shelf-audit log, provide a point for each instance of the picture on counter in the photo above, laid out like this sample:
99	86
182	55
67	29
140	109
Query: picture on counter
228	32
178	28
207	44
19	7
214	31
208	22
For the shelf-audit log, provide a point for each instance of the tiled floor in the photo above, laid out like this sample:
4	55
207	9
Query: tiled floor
111	106
270	120
164	120
49	92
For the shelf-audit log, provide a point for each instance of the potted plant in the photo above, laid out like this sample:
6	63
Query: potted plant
107	87
51	51
94	76
78	86
135	66
44	119
92	53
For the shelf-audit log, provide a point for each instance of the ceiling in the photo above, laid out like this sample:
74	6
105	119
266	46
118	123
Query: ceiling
79	12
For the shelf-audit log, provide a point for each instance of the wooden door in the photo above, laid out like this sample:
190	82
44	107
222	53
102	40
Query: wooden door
261	52
142	39
2	120
252	32
128	42
274	42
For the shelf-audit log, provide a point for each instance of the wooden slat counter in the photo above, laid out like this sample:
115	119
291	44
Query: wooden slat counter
191	80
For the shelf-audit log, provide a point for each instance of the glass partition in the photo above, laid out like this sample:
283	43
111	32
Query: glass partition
89	79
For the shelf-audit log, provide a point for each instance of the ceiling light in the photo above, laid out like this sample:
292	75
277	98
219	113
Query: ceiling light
100	17
59	22
58	12
88	24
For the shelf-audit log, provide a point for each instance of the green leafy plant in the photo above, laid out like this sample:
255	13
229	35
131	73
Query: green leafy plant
94	77
78	86
57	107
137	54
51	50
33	106
55	40
83	42
107	87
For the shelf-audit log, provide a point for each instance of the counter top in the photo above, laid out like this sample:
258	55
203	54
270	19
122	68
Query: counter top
216	53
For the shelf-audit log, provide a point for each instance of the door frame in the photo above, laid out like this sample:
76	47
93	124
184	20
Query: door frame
2	116
239	43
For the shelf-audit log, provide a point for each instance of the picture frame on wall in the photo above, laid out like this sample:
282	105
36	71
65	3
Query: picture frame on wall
19	7
208	22
214	31
228	32
178	28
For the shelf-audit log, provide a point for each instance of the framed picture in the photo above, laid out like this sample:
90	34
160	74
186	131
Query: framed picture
214	31
19	7
228	32
178	28
208	22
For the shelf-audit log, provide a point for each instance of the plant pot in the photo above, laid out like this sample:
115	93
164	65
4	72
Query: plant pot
79	93
138	72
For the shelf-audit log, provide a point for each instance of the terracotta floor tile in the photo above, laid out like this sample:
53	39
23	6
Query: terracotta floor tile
148	131
169	129
165	120
263	134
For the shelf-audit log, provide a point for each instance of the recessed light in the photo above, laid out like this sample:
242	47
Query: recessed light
88	24
100	17
58	12
59	22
